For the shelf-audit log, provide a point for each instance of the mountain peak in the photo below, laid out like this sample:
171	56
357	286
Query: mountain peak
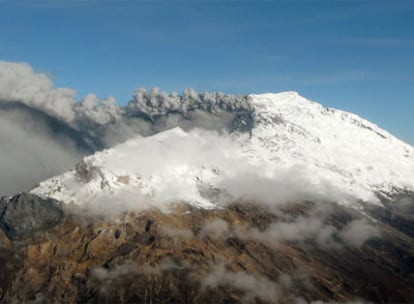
279	94
315	151
286	97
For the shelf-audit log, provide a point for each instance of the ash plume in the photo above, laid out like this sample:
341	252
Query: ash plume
47	130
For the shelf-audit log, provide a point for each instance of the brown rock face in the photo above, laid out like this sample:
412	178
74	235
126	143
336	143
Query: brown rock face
242	253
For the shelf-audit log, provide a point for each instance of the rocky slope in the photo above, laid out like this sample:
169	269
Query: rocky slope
193	255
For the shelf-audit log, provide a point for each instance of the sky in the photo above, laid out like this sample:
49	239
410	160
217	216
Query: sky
352	55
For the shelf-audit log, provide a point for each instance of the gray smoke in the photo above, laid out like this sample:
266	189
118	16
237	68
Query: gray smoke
45	130
156	103
30	151
19	83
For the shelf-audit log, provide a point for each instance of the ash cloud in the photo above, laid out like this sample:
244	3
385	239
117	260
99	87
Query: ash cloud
50	130
19	83
156	103
30	152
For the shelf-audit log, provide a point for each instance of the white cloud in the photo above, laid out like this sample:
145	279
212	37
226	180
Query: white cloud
215	229
254	287
358	232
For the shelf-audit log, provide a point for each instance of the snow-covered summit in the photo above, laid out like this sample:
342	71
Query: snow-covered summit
338	146
296	142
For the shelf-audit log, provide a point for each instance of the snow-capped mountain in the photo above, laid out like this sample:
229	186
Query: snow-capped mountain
295	145
246	214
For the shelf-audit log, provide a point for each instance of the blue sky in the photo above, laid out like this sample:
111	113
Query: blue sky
352	55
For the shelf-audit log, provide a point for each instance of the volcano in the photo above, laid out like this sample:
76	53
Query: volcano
287	140
292	202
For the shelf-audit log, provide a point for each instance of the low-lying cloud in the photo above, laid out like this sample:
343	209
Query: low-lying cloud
358	232
310	222
355	234
215	229
294	183
253	287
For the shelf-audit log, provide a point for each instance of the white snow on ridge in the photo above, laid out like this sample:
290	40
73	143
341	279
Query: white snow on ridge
343	148
319	149
154	171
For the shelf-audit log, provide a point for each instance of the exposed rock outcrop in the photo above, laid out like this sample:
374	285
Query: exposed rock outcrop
25	214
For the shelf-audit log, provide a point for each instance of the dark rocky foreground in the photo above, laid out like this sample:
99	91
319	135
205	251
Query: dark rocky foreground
25	214
55	254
